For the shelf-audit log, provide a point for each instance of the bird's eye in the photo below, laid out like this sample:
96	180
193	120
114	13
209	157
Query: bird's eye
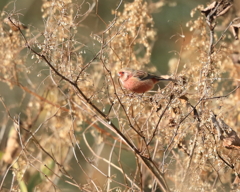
120	73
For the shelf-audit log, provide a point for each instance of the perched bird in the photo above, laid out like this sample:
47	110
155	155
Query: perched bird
139	81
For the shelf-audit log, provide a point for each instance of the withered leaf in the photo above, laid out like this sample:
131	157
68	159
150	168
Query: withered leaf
176	110
172	123
231	141
217	9
195	114
235	57
159	108
184	98
224	7
235	30
236	181
209	8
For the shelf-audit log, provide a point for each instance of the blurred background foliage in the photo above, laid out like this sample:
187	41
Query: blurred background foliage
168	19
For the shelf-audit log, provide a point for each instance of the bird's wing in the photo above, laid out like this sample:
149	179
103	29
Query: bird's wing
140	74
157	78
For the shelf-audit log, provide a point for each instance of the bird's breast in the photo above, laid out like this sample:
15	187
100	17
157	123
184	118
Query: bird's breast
138	86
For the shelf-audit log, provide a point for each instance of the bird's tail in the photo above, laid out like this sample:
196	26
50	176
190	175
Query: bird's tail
165	78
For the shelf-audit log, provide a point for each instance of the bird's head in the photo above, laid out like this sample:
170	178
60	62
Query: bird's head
124	74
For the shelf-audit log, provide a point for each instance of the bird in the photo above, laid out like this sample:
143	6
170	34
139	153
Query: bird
139	81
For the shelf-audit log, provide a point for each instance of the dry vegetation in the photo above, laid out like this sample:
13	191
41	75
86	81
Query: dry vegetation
78	130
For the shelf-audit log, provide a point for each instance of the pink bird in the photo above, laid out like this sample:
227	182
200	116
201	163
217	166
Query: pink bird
139	81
